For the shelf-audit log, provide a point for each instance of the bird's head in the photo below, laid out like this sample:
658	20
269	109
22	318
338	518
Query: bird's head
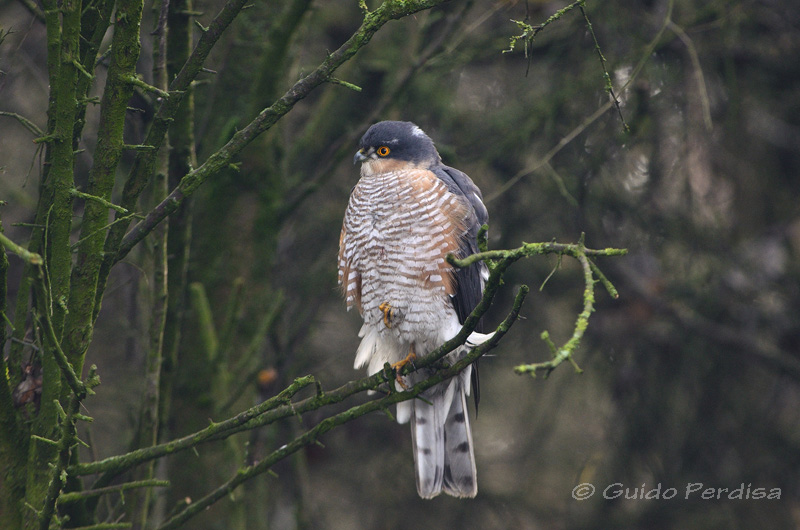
388	145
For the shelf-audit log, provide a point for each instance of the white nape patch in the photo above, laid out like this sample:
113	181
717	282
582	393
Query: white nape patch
416	131
393	141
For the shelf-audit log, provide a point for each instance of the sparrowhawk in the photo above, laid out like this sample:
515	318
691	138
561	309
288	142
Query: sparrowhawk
405	214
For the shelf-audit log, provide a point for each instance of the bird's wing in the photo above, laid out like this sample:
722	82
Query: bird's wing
349	278
470	280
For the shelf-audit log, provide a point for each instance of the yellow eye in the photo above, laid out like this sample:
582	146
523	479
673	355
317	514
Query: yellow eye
383	151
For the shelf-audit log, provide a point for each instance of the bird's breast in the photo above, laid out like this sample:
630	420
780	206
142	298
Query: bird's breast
400	227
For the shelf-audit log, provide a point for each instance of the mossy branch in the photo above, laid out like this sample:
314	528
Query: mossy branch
312	435
76	496
281	406
497	258
66	441
67	371
529	32
372	22
565	352
608	85
108	204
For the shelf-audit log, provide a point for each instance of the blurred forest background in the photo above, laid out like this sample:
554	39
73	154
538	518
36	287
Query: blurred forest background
691	376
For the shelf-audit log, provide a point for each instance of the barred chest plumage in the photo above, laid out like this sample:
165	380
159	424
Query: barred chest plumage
398	228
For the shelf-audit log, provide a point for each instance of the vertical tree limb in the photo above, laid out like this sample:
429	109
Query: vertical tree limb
54	214
142	168
13	443
149	420
116	94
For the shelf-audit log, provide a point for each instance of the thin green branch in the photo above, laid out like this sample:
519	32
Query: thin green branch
67	439
345	84
137	82
103	228
564	353
608	85
117	464
529	32
501	258
75	496
89	197
68	372
58	478
105	526
532	249
602	277
31	257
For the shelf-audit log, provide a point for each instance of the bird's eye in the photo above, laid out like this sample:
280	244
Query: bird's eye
383	151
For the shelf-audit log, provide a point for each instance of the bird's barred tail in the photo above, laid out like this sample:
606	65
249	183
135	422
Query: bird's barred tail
443	455
460	476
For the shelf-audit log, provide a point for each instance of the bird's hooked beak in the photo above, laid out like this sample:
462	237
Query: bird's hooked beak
361	155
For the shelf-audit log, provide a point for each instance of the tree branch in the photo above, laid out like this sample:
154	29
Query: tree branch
280	407
31	257
116	94
312	435
25	122
580	253
565	352
144	163
373	21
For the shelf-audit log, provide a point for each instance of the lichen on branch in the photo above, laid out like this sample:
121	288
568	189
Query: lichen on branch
591	274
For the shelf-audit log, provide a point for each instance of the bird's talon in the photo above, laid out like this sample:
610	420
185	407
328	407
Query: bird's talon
410	358
388	313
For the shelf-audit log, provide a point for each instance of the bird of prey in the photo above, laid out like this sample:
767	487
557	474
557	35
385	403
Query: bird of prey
405	214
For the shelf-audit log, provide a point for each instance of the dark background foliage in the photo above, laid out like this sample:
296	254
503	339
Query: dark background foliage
691	376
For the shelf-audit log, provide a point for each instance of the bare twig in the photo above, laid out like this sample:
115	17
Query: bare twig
609	86
645	57
25	122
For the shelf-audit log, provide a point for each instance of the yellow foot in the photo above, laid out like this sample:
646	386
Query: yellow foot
388	313
410	358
